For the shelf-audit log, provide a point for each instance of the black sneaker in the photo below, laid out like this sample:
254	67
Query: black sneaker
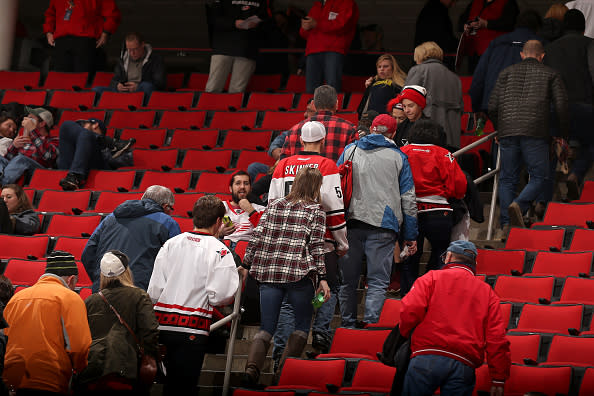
72	181
120	146
321	342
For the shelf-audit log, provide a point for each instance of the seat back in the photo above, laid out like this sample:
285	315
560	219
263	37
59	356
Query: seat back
64	201
108	200
281	120
170	100
583	240
219	101
587	385
184	204
525	346
62	80
213	182
72	245
562	264
496	262
548	380
550	318
188	139
562	214
238	120
358	342
24	272
132	119
110	180
46	178
35	98
575	351
23	246
371	376
311	374
390	315
74	226
72	100
182	119
577	291
207	160
528	239
118	100
524	289
270	101
151	138
175	181
155	159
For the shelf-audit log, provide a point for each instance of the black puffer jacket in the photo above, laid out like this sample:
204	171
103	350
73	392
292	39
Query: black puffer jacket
521	101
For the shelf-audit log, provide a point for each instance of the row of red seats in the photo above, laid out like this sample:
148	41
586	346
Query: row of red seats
551	239
173	100
175	81
518	262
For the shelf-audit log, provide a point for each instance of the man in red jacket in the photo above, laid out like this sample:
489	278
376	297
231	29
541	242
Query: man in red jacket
454	319
329	29
76	28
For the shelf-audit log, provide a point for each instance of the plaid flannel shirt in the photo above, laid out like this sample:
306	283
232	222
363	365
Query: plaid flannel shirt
288	243
43	149
339	133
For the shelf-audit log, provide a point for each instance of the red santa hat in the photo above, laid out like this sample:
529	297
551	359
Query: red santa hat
415	93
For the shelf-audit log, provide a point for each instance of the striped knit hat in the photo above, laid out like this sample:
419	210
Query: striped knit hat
61	263
416	93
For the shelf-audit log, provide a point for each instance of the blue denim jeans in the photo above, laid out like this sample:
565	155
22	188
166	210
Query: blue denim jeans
255	168
79	149
515	151
144	86
299	295
378	246
323	66
436	226
426	373
12	170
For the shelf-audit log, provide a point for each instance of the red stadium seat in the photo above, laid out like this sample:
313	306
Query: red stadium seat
24	272
72	100
60	80
587	194
264	82
67	202
219	101
467	103
568	350
23	246
110	180
108	201
74	226
175	80
197	81
132	119
237	140
71	115
390	315
246	157
587	385
356	343
353	118
528	239
562	264
295	83
175	181
583	240
550	318
185	223
240	248
184	203
19	80
548	380
215	160
85	292
188	139
154	159
524	346
35	98
311	374
170	100
506	310
495	262
353	83
371	376
47	178
182	119
562	214
72	245
354	101
238	120
270	101
213	182
466	83
524	289
577	291
83	277
102	79
281	120
304	99
145	138
119	100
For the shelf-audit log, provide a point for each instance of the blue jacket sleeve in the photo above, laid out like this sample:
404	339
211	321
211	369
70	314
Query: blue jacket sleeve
408	201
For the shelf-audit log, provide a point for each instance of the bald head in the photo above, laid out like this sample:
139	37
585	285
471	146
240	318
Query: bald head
533	49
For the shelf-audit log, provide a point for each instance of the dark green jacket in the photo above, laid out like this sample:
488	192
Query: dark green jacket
113	349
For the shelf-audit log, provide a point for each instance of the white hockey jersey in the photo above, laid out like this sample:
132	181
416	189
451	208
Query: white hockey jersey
331	193
244	224
193	272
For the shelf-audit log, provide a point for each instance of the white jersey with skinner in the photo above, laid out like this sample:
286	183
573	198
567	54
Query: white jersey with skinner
241	220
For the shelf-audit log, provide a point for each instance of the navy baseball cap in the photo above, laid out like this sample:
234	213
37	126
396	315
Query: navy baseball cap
95	121
464	248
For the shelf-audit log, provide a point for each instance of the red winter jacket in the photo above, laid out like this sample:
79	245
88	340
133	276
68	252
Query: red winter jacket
335	29
89	18
456	315
478	43
436	173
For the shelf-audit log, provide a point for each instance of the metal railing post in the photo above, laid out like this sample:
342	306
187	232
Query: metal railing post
494	196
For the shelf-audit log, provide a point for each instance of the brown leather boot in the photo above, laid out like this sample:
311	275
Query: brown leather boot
256	356
295	345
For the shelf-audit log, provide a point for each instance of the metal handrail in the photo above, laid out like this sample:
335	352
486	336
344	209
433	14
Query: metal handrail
234	318
491	174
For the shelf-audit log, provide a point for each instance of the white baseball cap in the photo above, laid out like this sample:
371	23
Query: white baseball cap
113	263
313	131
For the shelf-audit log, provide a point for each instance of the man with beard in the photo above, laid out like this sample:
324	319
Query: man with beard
244	214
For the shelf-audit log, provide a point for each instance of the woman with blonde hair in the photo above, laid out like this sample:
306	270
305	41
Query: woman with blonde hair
552	24
113	357
286	256
382	87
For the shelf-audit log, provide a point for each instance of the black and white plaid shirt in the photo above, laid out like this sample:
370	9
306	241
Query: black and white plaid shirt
288	242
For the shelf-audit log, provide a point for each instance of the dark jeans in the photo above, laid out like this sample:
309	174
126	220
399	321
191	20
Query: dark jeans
79	149
323	66
183	361
436	226
74	54
584	160
299	295
515	151
426	373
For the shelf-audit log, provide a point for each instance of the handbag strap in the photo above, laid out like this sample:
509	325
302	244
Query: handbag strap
352	153
122	321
